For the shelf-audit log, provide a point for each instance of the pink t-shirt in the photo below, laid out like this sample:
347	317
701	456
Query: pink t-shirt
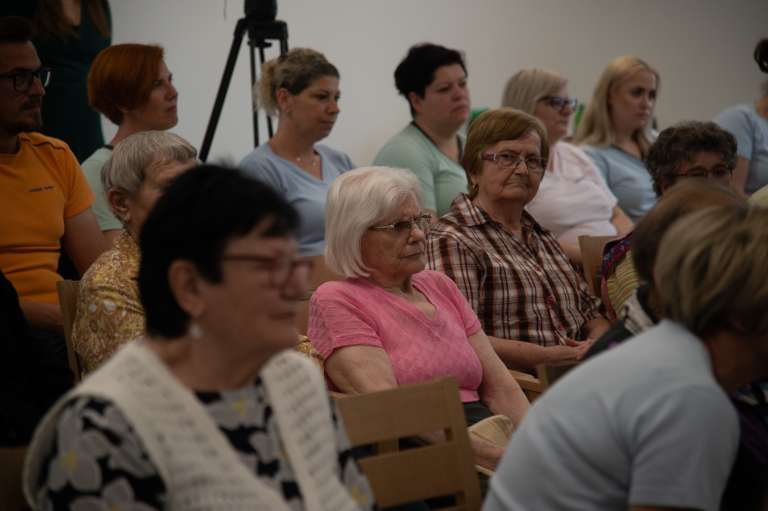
356	312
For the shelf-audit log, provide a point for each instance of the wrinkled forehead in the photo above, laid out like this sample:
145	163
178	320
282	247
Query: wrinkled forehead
18	57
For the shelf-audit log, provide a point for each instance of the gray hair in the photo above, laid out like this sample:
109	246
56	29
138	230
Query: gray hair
710	271
357	200
133	157
526	87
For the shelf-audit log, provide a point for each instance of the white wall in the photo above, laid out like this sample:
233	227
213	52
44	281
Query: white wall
702	49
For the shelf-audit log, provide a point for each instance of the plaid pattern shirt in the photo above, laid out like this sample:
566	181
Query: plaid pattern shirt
522	291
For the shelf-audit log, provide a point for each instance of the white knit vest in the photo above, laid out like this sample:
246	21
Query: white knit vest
200	469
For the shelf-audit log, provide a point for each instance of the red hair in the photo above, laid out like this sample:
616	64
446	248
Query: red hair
122	77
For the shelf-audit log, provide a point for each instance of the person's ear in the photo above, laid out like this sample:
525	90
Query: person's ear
185	283
284	100
416	102
120	204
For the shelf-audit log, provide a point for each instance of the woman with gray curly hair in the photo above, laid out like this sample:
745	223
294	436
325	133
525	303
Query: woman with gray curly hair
625	430
302	88
391	322
109	312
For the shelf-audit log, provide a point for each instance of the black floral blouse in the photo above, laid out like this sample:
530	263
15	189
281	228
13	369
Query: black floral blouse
98	462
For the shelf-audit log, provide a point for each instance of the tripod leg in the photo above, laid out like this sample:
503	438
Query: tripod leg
226	78
255	110
269	118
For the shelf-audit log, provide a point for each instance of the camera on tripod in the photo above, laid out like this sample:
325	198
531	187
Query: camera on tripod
262	27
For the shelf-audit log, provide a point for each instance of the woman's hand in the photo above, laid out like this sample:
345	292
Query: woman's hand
570	352
360	369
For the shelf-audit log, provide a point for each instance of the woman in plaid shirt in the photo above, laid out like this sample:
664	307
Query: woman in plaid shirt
531	302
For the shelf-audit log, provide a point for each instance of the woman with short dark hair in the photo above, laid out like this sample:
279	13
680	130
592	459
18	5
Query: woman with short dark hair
433	80
212	409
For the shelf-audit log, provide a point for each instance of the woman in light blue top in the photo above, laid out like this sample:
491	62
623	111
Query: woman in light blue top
749	125
302	88
616	134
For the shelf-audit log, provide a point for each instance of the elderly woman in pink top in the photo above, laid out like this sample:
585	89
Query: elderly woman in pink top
391	322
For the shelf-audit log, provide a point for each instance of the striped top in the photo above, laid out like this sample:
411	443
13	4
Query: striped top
524	290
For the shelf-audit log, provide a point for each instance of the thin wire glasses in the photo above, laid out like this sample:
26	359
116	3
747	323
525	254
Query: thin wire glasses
402	227
507	160
720	173
22	80
559	102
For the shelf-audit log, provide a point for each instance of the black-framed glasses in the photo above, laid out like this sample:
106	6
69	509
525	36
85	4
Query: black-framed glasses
559	102
22	80
509	160
281	269
402	227
719	173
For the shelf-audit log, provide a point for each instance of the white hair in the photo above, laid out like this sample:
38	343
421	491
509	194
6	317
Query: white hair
127	168
357	200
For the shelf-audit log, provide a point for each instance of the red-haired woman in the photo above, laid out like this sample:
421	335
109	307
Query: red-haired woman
132	86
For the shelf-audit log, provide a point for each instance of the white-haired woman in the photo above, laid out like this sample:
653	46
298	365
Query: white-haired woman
573	199
616	131
390	322
302	88
109	312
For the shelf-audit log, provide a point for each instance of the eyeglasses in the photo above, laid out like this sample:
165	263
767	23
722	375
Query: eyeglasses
534	164
559	103
280	269
721	173
406	226
22	80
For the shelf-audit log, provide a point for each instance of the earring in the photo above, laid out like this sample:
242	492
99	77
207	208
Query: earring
194	330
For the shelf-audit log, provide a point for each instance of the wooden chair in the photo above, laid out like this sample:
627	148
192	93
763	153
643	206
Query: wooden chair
591	259
320	274
11	463
68	294
434	470
546	376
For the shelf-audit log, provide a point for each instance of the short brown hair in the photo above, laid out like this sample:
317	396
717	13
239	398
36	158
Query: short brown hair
682	199
494	126
710	272
680	143
121	77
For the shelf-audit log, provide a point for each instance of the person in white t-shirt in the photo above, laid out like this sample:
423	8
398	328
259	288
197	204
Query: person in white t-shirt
573	199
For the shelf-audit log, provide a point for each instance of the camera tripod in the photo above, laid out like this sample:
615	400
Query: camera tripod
259	33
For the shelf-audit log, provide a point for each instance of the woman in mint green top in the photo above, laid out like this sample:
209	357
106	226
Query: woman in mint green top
433	79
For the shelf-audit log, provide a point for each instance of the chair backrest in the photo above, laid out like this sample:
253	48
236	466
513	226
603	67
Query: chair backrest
68	294
320	275
549	373
415	474
591	258
11	464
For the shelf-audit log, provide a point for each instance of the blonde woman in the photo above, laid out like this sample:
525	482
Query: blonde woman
616	131
573	198
302	88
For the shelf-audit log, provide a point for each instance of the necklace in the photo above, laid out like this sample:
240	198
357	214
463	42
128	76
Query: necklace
312	161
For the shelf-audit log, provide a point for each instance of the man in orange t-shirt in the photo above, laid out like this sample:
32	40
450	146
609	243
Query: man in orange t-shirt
45	201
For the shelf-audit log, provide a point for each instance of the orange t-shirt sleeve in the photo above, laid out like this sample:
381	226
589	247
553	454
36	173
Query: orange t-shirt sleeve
79	194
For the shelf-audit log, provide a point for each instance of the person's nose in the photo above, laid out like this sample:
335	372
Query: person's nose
333	106
298	283
36	87
172	93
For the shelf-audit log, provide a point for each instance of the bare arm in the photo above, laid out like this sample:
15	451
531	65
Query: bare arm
111	235
740	172
621	221
360	369
83	240
43	315
526	355
499	390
